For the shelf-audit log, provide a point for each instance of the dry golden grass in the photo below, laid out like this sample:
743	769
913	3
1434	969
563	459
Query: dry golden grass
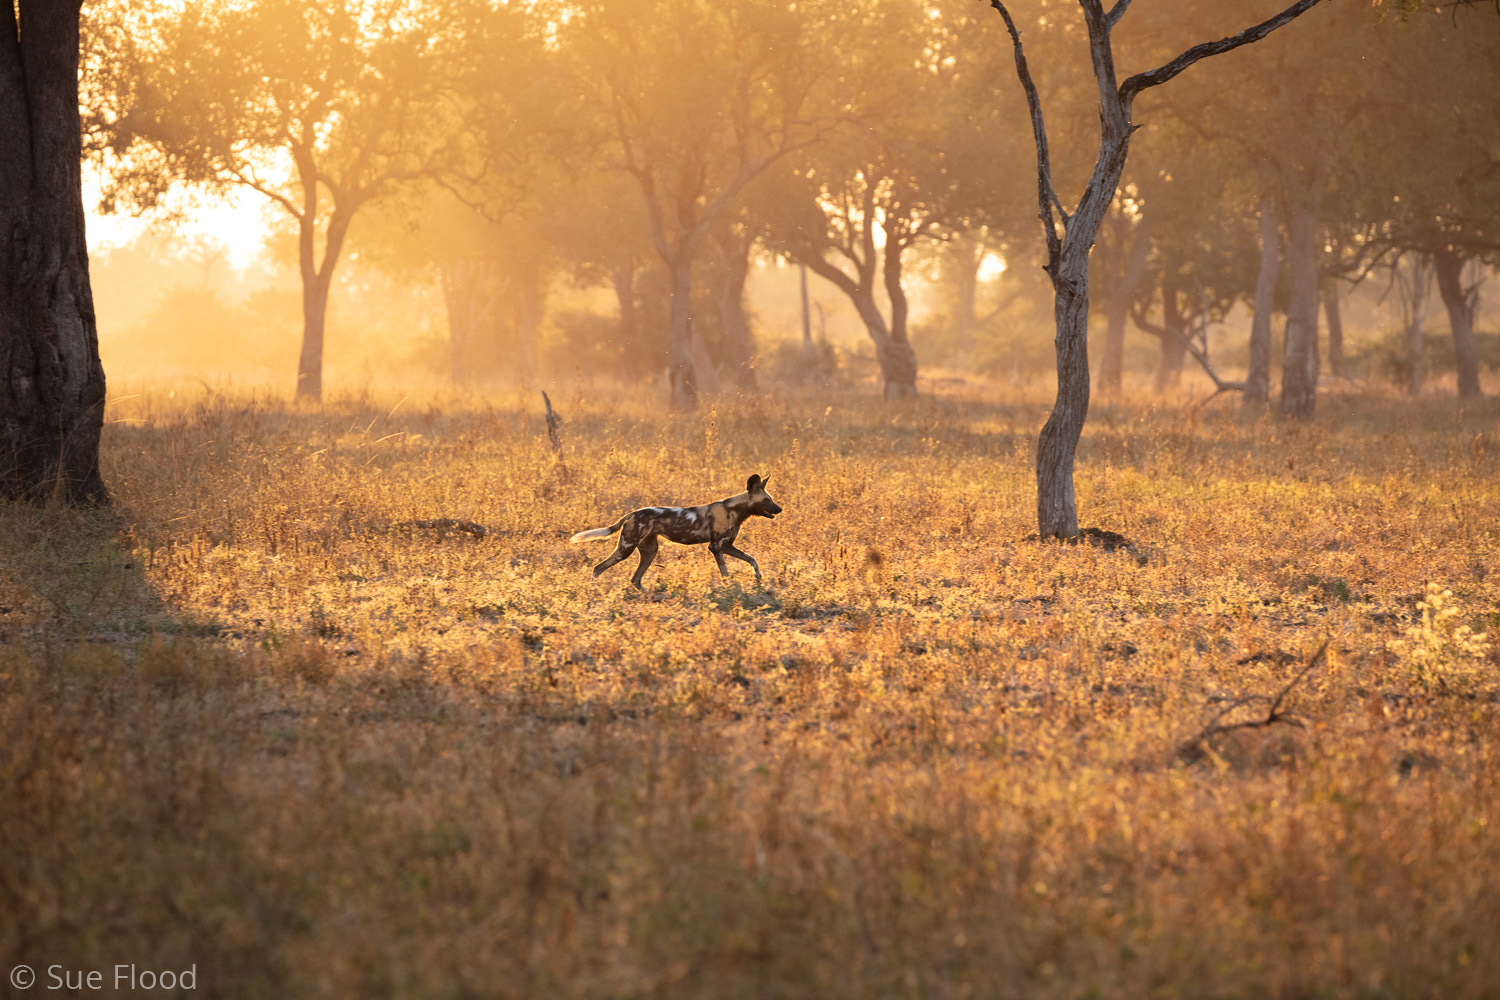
248	722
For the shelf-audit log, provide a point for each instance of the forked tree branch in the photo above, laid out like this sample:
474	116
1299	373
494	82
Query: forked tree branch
1046	193
1156	77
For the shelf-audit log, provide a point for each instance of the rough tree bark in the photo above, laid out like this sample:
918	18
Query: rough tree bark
1068	252
1299	368
1448	265
52	387
1258	378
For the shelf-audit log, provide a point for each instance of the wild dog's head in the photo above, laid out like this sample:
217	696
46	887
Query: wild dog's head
760	501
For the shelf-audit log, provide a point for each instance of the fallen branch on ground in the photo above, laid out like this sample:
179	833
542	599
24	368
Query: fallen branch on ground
1196	748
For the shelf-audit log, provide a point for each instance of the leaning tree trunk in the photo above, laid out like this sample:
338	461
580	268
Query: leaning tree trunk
52	387
1448	266
1299	370
1258	378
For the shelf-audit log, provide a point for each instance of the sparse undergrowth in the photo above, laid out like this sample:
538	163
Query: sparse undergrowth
259	720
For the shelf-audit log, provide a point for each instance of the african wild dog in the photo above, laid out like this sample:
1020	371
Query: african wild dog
716	523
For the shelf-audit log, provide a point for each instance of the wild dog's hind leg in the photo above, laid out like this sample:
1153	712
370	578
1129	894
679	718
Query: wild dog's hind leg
621	551
743	557
648	553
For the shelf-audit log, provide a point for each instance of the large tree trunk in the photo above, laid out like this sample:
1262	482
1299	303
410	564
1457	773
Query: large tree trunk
1258	378
1299	370
52	389
1449	266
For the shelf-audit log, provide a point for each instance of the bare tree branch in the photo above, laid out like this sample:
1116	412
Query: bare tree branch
1156	77
1046	192
1117	11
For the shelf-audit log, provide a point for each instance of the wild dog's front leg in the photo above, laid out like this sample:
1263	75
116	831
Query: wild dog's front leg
648	553
743	557
717	548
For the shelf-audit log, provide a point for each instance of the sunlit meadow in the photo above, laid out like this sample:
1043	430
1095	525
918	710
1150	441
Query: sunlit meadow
256	721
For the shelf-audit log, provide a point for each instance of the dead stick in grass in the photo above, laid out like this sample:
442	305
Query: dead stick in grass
1192	749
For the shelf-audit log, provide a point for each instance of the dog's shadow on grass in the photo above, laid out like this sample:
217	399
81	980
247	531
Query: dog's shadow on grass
734	595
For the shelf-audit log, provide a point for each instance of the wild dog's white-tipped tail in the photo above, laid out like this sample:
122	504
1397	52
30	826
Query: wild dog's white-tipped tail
591	534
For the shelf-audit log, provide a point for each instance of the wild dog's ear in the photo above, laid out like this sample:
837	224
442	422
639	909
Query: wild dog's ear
765	481
753	483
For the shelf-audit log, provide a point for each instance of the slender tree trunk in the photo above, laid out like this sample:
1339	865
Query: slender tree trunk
1335	320
682	376
966	257
317	278
1417	314
314	316
733	321
52	386
623	279
1448	266
1299	370
807	341
1057	447
1172	338
1258	378
1120	288
898	362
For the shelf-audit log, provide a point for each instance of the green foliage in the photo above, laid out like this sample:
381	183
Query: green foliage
1441	651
